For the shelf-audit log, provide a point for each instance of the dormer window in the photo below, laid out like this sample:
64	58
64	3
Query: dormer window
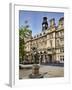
34	36
40	34
44	33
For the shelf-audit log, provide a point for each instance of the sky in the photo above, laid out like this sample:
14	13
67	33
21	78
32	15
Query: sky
35	19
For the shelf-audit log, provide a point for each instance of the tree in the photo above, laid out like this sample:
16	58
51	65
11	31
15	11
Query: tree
24	33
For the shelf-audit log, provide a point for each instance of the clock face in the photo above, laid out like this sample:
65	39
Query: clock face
43	25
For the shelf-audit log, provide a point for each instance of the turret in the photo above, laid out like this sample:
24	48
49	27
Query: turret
61	21
44	24
52	22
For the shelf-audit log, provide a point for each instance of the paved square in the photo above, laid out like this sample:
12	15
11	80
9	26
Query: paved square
48	71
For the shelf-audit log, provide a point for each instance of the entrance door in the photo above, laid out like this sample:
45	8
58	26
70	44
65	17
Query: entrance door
50	58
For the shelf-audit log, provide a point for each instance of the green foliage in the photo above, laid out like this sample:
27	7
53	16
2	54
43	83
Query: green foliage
24	32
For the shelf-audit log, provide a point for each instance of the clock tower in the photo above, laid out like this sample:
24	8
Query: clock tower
44	24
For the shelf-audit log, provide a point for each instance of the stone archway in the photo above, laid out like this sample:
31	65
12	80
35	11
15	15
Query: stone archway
43	57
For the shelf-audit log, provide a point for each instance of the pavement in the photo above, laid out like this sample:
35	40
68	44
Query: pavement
47	70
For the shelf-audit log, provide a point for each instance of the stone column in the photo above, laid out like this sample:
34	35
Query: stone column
44	58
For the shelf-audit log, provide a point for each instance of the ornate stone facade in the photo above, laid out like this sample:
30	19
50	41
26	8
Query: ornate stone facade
49	43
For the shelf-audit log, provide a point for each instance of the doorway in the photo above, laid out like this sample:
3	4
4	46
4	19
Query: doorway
50	58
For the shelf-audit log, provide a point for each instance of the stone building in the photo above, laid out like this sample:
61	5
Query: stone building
49	43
